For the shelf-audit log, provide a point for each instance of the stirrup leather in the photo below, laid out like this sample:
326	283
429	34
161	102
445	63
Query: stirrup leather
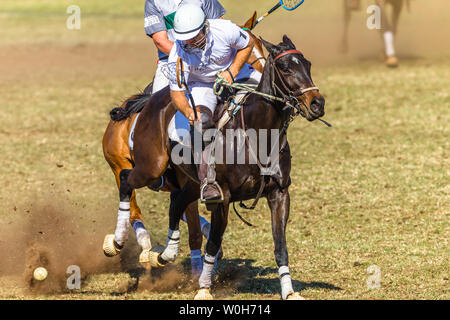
202	188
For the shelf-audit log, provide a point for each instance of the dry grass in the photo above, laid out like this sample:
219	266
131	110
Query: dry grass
372	190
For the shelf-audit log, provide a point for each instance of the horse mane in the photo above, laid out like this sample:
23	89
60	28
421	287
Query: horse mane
132	106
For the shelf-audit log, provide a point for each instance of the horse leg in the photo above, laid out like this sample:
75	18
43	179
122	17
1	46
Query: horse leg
279	203
347	18
142	236
179	201
387	34
192	218
397	7
219	220
114	243
128	180
117	155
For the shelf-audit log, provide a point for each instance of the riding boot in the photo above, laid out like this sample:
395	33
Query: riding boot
210	191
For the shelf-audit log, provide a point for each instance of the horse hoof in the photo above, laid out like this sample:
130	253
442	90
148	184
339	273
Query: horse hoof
392	62
203	294
294	296
144	259
153	256
109	249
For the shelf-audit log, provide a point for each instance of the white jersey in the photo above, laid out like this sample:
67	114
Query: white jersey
159	15
224	39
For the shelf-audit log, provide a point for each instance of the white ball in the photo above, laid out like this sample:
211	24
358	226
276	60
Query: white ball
40	273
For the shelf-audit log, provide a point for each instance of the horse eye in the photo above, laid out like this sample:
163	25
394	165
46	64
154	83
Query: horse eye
284	67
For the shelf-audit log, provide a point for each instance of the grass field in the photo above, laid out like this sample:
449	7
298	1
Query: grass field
372	190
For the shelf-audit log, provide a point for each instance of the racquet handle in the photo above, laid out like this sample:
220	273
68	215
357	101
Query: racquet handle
266	14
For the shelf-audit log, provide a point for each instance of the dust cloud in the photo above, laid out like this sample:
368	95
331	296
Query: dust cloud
52	235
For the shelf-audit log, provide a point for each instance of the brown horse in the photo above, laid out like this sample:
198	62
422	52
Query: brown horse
119	155
388	26
285	91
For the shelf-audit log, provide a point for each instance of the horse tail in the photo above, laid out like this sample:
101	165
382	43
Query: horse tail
132	106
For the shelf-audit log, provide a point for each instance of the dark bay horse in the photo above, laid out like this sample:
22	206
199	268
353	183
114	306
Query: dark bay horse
119	156
388	26
289	91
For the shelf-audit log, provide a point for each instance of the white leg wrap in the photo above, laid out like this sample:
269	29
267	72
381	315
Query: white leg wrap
142	236
205	279
196	262
123	223
389	43
173	243
286	282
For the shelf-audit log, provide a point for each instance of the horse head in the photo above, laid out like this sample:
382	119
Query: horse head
290	77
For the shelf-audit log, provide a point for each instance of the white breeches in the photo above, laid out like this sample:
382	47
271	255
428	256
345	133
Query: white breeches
203	93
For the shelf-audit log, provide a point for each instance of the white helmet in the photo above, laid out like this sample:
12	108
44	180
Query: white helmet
188	21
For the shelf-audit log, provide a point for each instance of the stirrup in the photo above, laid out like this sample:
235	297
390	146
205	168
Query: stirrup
202	188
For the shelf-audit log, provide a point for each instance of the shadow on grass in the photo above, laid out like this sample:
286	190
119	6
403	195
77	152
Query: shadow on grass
234	276
241	276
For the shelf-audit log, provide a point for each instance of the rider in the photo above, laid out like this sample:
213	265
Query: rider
206	47
159	16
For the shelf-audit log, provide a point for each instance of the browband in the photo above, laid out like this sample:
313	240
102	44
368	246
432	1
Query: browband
286	53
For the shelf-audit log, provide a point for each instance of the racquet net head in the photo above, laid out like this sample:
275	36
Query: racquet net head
292	4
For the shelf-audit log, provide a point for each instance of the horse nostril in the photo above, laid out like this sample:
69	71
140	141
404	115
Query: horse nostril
317	105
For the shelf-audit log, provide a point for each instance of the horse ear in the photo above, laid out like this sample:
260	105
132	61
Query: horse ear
254	17
250	22
270	47
288	42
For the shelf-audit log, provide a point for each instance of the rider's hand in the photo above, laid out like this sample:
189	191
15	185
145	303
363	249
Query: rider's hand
191	117
226	76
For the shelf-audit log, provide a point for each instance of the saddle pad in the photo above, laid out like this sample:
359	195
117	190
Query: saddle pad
131	136
179	129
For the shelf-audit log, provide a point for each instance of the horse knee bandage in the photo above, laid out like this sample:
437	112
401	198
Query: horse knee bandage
173	243
123	223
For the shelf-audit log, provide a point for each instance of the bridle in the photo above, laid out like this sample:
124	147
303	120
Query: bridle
289	96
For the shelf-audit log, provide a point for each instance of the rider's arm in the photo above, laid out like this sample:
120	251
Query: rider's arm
244	43
155	27
182	104
241	58
178	94
162	42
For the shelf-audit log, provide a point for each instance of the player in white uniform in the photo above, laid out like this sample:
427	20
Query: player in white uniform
159	16
206	48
